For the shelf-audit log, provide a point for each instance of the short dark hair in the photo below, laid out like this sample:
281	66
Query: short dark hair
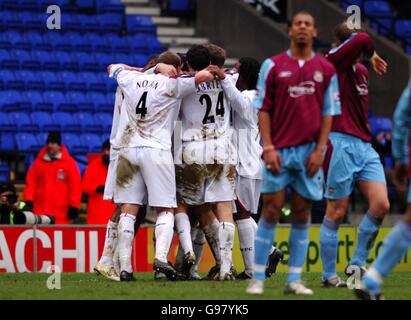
106	145
217	55
151	62
198	57
54	137
248	71
302	12
342	32
171	58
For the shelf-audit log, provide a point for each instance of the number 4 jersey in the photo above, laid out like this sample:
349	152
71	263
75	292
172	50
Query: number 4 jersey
153	102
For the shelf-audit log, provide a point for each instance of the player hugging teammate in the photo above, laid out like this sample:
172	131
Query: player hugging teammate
237	138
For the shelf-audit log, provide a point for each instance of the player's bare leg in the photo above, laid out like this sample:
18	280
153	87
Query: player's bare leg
106	265
272	206
298	244
183	228
164	231
377	197
335	212
125	239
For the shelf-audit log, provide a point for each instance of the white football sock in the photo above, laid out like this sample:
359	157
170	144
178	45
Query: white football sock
226	235
211	234
246	235
183	228
198	243
110	243
125	241
164	235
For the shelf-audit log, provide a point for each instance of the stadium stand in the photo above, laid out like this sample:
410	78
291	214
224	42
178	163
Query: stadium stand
56	79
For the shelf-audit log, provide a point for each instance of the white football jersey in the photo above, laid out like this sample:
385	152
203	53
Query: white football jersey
247	135
205	113
152	106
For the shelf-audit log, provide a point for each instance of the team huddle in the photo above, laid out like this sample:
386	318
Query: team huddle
199	144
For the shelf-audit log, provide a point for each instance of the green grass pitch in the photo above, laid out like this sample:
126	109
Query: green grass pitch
89	286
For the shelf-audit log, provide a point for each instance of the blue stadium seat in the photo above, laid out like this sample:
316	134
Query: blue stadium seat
110	6
101	102
53	81
91	24
103	60
88	124
380	11
98	42
73	81
180	7
5	42
7	60
54	97
44	121
379	125
67	61
33	21
70	22
73	143
8	80
124	58
29	5
12	100
42	137
66	122
93	81
37	42
8	142
79	42
37	101
87	61
403	28
47	60
118	44
17	40
110	22
26	59
105	119
140	24
31	79
80	101
11	20
92	141
23	121
59	41
5	124
27	142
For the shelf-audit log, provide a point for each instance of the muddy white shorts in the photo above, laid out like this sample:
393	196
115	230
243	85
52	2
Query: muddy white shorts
145	173
248	193
111	176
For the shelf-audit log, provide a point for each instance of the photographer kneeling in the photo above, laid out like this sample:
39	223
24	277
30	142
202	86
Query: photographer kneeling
14	211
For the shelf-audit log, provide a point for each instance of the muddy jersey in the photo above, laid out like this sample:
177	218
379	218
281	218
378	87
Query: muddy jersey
205	113
152	105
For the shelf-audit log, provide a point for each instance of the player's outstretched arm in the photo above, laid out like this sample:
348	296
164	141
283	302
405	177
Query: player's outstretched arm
203	76
345	55
378	64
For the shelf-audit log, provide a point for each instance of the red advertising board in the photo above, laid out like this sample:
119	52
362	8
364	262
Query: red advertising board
73	249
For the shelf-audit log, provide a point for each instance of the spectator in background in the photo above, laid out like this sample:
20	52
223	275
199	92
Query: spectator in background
94	179
54	182
382	144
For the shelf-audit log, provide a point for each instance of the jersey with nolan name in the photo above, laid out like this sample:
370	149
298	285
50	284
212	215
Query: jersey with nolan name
353	83
152	105
296	97
247	135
